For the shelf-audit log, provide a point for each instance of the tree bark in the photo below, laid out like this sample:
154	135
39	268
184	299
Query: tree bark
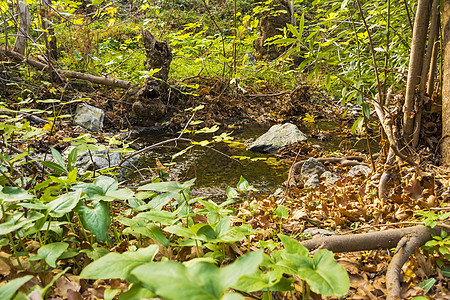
415	64
24	27
445	144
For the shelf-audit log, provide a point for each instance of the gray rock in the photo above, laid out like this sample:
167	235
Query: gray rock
312	181
360	170
277	136
102	159
89	117
312	167
330	177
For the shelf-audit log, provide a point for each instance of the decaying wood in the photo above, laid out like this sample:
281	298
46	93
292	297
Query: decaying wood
343	161
405	240
67	74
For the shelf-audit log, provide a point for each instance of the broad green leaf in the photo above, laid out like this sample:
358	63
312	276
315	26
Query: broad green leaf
162	187
427	284
109	294
173	280
180	231
323	274
97	219
58	157
19	221
64	204
232	296
106	183
244	186
55	167
139	226
292	246
50	253
137	291
115	265
9	193
282	212
232	193
8	290
72	159
159	216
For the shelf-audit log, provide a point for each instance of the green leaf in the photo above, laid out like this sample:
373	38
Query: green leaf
55	167
162	187
58	157
72	159
9	193
137	291
115	265
64	204
232	193
18	221
200	281
110	294
292	246
159	216
97	220
8	290
244	186
427	284
50	253
323	274
140	226
282	212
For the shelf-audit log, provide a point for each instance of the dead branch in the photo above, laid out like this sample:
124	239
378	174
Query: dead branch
67	74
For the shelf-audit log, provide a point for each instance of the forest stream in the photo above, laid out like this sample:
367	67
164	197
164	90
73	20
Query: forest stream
215	171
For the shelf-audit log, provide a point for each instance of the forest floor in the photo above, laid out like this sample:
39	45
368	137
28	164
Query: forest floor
350	205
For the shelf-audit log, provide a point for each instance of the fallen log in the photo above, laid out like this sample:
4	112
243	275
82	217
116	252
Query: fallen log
405	240
124	84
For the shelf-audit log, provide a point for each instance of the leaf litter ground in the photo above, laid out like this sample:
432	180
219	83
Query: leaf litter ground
349	205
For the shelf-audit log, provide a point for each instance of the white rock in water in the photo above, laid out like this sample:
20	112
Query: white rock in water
277	136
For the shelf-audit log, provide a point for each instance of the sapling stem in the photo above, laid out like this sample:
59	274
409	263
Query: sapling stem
13	246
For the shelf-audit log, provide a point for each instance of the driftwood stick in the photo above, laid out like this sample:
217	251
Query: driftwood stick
67	74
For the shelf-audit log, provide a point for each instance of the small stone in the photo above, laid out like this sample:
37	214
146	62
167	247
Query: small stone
277	136
89	117
359	170
312	181
330	177
312	167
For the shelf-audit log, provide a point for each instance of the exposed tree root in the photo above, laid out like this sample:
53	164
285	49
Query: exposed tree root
67	74
405	240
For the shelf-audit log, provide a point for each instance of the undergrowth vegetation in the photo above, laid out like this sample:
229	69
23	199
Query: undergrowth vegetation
60	224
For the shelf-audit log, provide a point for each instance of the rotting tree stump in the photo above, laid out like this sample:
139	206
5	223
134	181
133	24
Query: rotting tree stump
150	101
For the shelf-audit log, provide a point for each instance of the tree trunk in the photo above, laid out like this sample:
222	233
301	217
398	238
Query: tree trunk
24	26
445	145
415	64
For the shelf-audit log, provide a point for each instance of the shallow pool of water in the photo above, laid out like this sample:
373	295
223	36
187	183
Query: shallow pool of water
215	171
